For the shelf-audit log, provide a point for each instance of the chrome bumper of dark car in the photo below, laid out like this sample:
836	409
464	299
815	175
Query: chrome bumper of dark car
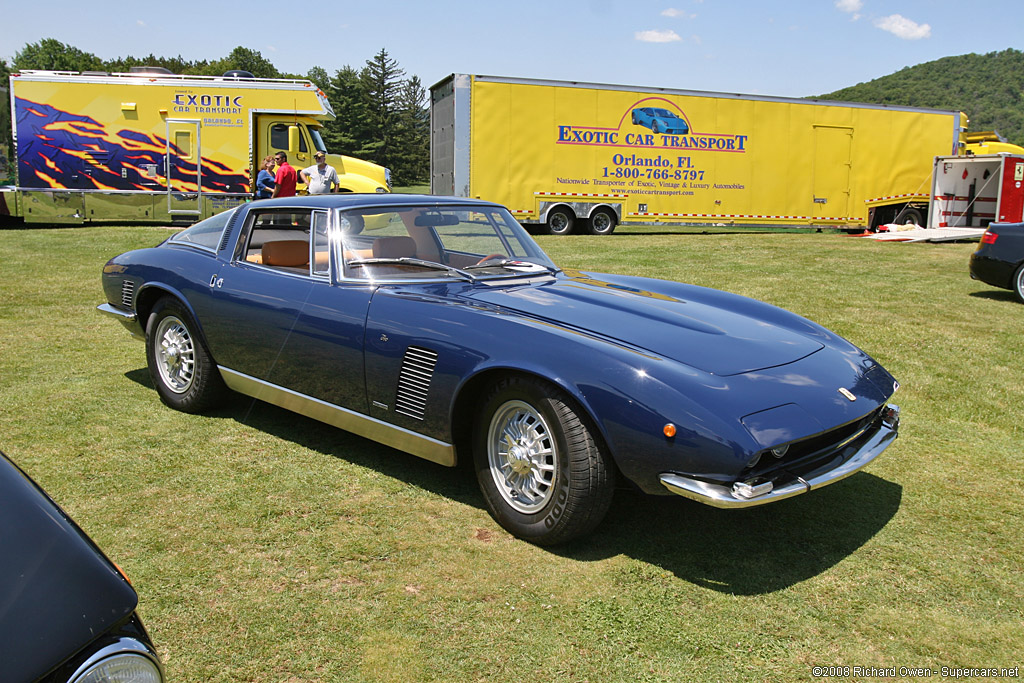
721	496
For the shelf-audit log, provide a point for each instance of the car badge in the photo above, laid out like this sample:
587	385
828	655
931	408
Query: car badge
847	393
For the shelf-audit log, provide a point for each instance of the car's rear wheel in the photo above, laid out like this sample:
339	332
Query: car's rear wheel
560	221
602	222
544	475
1018	283
185	377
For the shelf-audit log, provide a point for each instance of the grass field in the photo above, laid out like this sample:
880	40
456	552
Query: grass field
267	547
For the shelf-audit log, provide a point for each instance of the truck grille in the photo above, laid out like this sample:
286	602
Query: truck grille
414	382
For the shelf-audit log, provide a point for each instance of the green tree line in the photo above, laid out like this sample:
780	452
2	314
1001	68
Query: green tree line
382	115
988	88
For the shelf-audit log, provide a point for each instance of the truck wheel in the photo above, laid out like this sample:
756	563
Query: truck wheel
184	375
560	221
910	216
1018	283
602	222
544	476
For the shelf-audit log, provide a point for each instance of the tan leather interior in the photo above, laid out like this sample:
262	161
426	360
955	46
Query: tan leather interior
286	253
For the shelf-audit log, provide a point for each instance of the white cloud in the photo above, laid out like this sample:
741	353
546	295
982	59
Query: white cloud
849	6
669	36
140	22
904	28
674	13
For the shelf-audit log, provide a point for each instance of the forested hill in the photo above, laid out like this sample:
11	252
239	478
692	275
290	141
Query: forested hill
988	88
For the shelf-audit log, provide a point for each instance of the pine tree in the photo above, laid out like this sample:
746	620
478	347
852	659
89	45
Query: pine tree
380	81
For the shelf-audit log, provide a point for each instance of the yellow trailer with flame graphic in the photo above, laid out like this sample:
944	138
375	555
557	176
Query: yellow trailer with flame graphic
588	156
151	146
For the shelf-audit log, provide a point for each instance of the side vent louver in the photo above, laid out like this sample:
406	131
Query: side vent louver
127	293
227	230
414	381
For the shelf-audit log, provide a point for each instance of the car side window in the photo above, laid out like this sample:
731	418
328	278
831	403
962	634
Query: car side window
280	240
205	234
321	245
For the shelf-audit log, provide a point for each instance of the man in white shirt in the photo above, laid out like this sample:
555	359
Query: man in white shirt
321	178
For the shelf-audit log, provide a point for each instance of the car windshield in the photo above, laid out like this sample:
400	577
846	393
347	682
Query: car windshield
664	112
471	243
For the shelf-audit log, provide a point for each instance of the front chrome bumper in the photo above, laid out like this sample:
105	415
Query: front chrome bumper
720	496
127	318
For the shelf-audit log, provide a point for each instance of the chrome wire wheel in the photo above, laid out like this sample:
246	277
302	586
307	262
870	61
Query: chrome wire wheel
522	456
175	354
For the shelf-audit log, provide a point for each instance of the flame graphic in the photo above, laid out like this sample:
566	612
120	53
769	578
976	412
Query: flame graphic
62	150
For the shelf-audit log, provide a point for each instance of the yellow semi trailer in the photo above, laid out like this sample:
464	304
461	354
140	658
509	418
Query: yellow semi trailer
586	156
151	146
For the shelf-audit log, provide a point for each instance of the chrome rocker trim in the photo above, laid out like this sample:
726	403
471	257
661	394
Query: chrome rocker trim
377	430
720	496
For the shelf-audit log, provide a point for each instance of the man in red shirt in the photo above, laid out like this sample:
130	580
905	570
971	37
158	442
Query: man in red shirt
286	177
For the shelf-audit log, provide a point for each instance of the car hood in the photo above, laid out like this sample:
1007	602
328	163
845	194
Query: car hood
59	591
718	333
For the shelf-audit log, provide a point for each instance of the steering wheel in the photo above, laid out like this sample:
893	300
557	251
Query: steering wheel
487	258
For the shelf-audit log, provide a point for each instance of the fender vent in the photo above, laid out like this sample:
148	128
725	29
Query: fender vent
227	230
127	293
414	381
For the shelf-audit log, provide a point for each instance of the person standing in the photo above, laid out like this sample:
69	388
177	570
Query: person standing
286	177
265	179
320	178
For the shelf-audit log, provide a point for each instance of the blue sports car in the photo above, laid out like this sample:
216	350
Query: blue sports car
437	326
660	120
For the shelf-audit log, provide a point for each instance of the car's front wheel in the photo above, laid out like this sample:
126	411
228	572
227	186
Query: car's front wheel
1018	283
185	377
544	474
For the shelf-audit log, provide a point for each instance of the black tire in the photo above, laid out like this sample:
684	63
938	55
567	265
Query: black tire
561	221
185	377
544	475
602	222
1018	283
655	128
910	216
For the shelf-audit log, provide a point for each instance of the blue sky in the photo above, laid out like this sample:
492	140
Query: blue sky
790	49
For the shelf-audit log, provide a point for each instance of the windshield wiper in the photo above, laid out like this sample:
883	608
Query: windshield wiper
458	272
515	264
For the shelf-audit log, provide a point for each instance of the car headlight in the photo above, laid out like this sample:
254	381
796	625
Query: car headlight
122	669
380	190
127	661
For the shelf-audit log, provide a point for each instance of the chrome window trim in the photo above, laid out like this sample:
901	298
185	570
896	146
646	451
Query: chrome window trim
386	433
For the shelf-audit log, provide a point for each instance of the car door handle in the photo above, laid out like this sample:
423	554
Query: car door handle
217	282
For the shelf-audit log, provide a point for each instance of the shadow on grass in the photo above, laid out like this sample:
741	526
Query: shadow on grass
742	552
995	295
746	552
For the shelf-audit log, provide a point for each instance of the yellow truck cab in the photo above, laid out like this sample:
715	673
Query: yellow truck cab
152	146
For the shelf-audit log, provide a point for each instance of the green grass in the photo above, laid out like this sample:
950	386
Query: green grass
267	547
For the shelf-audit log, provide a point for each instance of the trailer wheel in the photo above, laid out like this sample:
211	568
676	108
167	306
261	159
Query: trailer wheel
560	221
602	222
910	216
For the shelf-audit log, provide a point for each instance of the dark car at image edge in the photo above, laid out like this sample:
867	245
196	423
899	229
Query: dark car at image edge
67	613
999	258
